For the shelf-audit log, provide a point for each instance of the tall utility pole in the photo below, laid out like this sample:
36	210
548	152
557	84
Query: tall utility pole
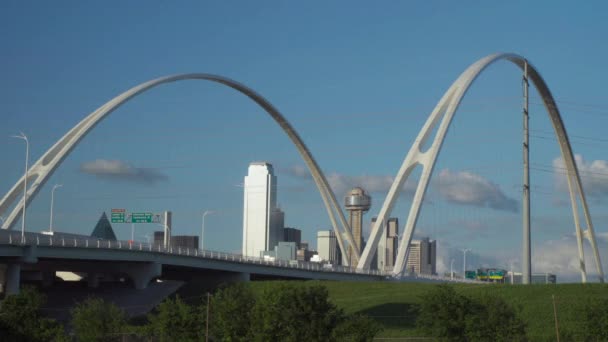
555	316
207	320
526	257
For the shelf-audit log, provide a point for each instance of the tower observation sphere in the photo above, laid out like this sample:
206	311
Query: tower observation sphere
357	199
357	202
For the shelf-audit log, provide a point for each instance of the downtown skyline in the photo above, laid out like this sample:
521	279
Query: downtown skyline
358	103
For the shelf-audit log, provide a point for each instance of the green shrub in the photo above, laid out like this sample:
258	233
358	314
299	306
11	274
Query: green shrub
97	320
450	316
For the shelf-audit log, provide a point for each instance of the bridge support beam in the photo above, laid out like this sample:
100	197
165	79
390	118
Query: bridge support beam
142	274
48	278
13	278
92	280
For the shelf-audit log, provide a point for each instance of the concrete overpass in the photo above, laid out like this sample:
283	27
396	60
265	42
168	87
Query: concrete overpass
40	256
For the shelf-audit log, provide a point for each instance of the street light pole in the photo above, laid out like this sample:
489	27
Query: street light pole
55	187
207	212
511	272
452	269
27	157
464	262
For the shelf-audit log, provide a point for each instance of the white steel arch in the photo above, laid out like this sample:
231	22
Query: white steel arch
46	165
442	115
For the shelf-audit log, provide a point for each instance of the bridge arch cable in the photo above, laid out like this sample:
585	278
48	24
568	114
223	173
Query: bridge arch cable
442	115
40	171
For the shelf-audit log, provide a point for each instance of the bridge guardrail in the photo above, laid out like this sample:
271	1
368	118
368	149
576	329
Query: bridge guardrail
69	242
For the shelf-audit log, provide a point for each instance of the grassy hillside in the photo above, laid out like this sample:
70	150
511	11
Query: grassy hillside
394	305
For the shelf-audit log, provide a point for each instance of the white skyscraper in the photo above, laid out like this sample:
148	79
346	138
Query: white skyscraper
261	218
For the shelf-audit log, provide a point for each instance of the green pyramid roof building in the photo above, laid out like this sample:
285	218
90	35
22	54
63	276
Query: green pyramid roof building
103	229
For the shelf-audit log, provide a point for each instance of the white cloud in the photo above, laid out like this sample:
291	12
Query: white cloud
298	171
603	236
594	175
470	189
121	171
473	226
448	255
561	257
463	188
341	183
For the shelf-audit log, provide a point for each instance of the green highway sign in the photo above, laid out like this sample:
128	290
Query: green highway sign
121	216
118	216
143	218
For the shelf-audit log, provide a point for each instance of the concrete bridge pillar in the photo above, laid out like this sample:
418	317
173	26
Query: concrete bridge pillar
93	280
142	274
3	277
13	278
48	278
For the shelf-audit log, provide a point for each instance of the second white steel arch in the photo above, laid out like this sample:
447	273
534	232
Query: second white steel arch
46	165
442	115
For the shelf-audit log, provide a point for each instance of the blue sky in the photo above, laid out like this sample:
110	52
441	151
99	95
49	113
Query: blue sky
356	79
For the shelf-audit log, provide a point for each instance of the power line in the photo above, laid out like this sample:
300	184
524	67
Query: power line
565	171
551	133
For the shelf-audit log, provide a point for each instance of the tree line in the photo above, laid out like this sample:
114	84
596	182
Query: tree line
284	311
